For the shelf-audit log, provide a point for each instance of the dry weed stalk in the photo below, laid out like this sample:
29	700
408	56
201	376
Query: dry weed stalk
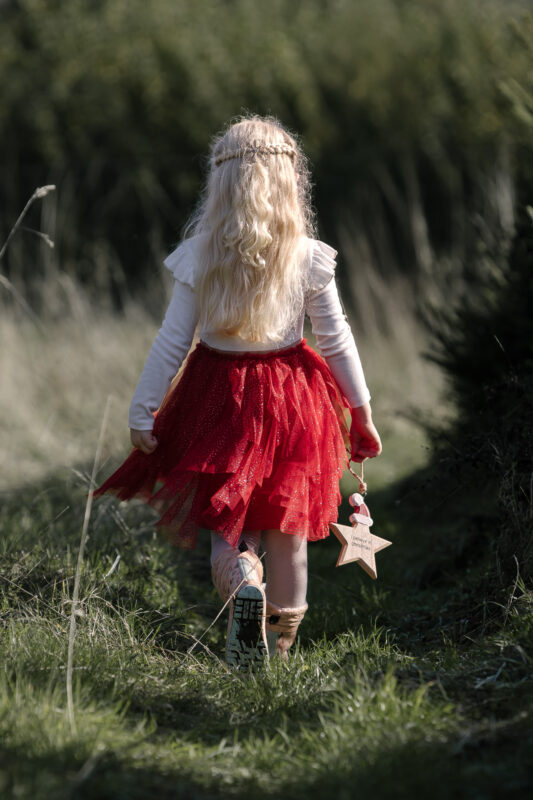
40	192
76	592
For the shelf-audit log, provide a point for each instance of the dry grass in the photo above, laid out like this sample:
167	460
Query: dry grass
55	383
56	378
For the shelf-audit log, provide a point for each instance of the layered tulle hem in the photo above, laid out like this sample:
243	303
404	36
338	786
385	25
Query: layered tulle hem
251	441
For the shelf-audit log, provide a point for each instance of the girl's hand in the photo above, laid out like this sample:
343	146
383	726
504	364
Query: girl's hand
364	437
143	440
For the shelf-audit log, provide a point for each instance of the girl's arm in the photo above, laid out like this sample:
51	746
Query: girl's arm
164	360
336	344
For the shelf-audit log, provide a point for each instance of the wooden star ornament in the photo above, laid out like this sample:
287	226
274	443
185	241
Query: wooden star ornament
358	544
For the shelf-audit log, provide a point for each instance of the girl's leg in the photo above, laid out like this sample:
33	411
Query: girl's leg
286	562
219	545
286	565
237	574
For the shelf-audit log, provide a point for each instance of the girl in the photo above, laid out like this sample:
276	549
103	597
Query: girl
250	441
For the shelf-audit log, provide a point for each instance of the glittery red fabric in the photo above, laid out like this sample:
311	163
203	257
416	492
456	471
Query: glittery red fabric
250	441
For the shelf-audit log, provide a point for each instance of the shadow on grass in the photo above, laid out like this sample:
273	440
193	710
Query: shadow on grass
436	771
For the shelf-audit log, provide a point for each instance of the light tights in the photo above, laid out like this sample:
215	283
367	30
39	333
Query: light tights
286	564
286	568
218	544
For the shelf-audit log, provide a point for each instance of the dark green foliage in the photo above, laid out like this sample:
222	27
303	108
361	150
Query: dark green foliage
116	101
487	353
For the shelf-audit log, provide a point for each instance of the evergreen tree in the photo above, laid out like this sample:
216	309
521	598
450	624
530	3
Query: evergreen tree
487	353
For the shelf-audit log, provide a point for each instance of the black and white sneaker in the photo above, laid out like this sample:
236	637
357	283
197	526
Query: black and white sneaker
246	645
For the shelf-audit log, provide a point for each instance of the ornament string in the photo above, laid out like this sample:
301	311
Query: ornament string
360	478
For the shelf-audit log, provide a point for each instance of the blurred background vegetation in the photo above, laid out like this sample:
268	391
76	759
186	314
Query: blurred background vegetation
418	119
417	116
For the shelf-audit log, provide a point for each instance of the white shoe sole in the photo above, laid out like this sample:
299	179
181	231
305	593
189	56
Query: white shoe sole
245	644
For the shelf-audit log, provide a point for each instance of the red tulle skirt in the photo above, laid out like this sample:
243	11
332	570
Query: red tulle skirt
248	441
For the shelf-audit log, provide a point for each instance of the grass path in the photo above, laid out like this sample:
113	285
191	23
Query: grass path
391	692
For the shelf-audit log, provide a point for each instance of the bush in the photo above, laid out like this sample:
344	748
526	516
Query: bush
404	108
487	354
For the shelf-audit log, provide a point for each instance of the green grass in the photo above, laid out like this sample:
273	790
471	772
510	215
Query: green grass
418	684
388	691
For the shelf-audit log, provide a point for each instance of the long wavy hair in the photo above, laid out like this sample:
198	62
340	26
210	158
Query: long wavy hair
254	215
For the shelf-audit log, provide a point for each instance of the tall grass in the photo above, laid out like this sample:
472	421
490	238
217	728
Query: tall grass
55	382
56	377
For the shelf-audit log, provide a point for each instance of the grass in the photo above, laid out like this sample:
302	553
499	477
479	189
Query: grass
384	691
55	385
410	685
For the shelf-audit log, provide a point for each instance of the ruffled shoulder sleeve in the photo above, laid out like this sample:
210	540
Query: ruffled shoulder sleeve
322	265
182	261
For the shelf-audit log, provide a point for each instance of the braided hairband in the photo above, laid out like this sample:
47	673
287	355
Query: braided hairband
256	149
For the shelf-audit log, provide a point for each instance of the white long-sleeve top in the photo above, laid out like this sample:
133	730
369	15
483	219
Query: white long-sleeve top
334	338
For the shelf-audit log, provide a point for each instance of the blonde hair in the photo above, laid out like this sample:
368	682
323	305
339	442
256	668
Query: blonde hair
255	215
